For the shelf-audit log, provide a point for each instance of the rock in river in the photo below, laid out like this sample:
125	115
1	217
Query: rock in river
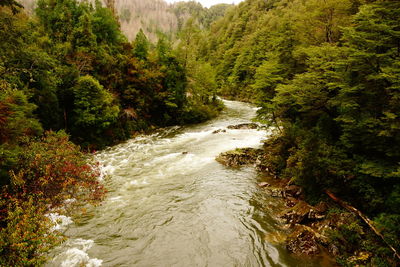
244	126
239	157
219	131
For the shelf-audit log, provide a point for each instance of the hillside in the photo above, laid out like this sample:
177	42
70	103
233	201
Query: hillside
156	16
325	74
152	16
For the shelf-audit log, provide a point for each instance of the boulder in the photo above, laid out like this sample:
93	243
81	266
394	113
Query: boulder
293	191
303	241
291	201
274	192
314	215
263	184
301	212
244	126
239	157
297	214
333	249
219	131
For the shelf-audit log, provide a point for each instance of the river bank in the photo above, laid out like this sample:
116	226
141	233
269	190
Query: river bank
321	229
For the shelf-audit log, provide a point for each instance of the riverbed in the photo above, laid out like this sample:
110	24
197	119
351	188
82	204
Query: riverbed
171	204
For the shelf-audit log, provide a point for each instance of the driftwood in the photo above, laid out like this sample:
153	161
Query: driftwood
363	217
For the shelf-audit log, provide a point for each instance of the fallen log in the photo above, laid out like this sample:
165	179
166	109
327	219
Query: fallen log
363	217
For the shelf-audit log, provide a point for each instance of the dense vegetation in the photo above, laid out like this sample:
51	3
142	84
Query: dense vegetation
67	72
326	76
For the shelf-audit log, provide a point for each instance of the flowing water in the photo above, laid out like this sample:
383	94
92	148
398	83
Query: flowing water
171	204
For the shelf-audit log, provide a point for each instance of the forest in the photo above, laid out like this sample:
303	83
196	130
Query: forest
68	74
325	74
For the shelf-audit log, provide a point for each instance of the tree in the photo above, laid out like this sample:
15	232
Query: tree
141	46
94	109
188	38
12	4
16	117
321	21
105	25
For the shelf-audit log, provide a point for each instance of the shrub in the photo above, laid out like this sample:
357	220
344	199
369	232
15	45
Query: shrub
50	170
54	169
25	239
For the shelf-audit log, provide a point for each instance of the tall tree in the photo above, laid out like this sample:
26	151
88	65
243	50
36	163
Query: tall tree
141	46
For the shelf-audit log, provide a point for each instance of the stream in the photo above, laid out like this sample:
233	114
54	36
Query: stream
171	204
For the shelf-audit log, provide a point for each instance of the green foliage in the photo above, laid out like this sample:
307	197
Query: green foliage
12	4
105	26
93	108
141	46
201	76
16	117
197	112
26	239
326	76
203	16
358	245
202	83
388	225
60	18
69	67
17	122
131	86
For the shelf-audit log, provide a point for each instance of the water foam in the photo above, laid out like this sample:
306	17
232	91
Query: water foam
60	221
76	255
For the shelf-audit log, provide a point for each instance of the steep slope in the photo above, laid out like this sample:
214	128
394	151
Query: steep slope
152	16
325	74
156	16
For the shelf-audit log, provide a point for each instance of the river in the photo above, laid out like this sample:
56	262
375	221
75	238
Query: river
171	204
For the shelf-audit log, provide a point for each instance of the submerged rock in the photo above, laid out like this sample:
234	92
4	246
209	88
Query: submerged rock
219	131
244	126
276	238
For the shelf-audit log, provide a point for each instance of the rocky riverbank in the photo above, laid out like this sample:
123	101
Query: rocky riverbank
313	229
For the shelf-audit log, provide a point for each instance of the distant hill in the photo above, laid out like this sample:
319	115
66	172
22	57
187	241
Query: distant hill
154	16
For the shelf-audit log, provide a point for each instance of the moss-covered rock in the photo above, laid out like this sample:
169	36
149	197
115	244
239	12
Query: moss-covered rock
239	157
244	126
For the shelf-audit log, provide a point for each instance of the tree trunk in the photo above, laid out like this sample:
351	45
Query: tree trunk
363	217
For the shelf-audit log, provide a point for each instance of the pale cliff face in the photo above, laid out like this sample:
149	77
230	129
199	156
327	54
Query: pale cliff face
152	16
